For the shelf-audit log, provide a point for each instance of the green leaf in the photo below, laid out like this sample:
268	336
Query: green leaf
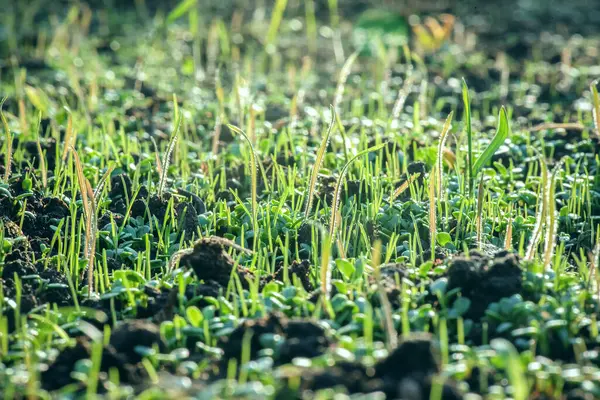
346	268
180	10
269	288
194	315
501	135
443	238
461	305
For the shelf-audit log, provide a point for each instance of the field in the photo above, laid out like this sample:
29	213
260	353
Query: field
299	199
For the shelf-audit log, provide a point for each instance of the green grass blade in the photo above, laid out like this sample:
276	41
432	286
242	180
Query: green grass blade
596	106
467	105
338	189
501	135
318	162
253	175
180	10
440	153
276	18
167	157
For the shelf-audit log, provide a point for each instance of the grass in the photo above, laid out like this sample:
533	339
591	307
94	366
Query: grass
237	203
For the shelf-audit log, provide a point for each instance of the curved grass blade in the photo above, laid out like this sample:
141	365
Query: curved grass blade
101	183
338	189
501	135
440	153
318	162
253	175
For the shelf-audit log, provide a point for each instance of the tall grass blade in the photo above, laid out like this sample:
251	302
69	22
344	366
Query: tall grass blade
596	106
8	155
467	105
551	220
341	84
90	236
432	212
43	168
101	183
167	156
89	213
253	176
479	220
276	18
540	218
440	154
317	166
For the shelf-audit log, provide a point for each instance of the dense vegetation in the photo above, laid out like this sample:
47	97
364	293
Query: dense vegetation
302	199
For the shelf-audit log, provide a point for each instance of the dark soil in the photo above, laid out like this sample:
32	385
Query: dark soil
405	373
302	338
119	354
211	262
299	269
485	280
130	334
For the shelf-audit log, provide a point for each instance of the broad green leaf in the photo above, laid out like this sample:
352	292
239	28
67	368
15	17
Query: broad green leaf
501	135
443	238
345	267
194	315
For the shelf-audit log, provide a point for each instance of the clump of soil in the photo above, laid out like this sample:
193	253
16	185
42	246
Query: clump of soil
391	275
299	269
119	353
302	338
211	262
59	372
405	373
485	280
188	219
38	285
130	334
